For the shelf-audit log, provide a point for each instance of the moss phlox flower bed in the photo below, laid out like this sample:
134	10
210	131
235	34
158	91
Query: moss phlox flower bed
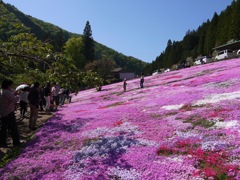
183	124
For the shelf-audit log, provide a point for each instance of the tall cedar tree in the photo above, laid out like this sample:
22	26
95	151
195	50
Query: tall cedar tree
88	43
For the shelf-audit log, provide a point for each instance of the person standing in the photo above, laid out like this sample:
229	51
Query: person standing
67	95
54	91
23	101
142	80
58	87
125	85
33	98
47	97
7	115
61	96
41	100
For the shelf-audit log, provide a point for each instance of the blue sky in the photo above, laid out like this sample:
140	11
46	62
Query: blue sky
138	28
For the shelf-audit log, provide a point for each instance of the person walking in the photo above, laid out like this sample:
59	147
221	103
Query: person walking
7	115
33	98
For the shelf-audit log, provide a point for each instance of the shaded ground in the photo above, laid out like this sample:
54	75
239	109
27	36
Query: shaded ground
25	133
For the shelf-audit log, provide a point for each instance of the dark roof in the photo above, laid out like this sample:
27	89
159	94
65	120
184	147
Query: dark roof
233	46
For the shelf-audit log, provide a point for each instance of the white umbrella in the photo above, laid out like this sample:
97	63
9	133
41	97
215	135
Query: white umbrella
22	86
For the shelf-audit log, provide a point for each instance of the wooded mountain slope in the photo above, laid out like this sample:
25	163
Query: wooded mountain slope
13	22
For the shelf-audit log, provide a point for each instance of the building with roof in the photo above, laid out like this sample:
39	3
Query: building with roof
233	45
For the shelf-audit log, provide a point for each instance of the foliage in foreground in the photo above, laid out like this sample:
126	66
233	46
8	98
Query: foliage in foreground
24	58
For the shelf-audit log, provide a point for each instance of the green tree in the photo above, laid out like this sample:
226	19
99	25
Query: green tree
210	35
222	33
74	51
234	29
9	24
59	42
88	43
65	72
202	31
103	67
92	79
24	58
23	53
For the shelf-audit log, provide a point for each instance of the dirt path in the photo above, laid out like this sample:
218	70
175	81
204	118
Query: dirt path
25	133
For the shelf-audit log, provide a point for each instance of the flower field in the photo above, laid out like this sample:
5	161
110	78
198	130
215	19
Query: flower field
183	124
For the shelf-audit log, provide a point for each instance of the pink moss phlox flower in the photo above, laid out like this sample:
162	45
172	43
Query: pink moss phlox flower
183	124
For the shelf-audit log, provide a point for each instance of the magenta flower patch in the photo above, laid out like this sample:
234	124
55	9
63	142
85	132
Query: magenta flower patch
183	124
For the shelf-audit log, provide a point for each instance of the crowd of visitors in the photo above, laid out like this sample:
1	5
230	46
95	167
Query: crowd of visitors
37	97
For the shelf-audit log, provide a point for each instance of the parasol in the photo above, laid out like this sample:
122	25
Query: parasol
22	86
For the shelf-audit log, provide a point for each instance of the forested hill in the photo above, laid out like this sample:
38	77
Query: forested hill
219	30
13	22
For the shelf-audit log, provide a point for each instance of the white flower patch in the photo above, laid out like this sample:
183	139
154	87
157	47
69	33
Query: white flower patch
214	145
225	124
214	98
120	173
176	159
73	176
187	134
173	107
197	178
96	132
146	142
125	128
151	104
221	84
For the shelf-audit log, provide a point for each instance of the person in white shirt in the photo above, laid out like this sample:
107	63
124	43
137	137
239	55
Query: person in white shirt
47	96
55	96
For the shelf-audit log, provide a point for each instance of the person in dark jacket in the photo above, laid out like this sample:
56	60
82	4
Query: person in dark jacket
23	101
142	80
33	98
42	102
47	96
